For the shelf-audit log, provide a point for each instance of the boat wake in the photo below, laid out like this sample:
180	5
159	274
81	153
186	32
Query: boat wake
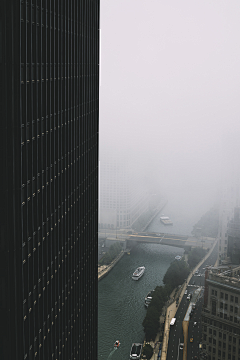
111	353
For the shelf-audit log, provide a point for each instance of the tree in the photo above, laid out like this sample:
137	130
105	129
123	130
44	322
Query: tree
195	256
147	351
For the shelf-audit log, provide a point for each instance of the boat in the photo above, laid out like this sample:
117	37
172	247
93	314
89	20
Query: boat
136	351
138	273
148	298
116	344
165	220
178	257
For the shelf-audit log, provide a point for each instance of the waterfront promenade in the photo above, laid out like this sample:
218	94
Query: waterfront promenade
171	312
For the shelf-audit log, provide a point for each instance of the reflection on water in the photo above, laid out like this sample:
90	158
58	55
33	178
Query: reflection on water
121	299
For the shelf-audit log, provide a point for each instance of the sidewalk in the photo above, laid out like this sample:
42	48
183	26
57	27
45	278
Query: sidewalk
171	311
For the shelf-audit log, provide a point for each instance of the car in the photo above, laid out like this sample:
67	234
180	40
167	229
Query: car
195	323
191	339
185	292
181	346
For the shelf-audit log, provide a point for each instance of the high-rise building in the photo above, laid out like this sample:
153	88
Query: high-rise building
123	196
233	233
49	107
221	314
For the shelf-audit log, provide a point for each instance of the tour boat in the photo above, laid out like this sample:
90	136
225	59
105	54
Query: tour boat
138	273
165	220
136	351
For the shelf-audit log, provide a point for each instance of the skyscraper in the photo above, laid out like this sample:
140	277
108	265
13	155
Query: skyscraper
49	73
220	314
123	196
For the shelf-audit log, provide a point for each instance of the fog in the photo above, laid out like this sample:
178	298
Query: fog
169	92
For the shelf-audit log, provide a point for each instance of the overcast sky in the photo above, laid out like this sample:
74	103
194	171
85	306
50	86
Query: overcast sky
170	86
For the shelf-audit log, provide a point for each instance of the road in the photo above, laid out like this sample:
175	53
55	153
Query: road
194	332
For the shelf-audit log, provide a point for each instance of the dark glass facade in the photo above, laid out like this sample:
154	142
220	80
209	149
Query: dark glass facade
49	108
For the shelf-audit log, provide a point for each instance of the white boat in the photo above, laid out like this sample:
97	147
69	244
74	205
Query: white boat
178	257
165	220
136	351
138	273
148	298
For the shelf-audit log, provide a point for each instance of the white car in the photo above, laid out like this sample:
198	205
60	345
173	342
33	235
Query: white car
185	292
195	323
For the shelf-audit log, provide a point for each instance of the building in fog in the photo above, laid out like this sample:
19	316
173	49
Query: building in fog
227	204
49	70
123	196
233	233
221	314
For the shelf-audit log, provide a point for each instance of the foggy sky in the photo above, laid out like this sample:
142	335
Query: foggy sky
170	87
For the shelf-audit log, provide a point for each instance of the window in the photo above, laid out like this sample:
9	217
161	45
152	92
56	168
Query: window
235	310
230	338
225	316
214	332
224	345
235	319
224	336
215	292
221	305
214	342
214	307
210	331
210	340
231	318
212	292
221	295
226	296
234	340
236	300
219	344
231	308
221	315
220	334
225	306
229	347
219	352
231	298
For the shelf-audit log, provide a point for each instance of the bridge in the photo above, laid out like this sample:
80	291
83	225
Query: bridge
156	238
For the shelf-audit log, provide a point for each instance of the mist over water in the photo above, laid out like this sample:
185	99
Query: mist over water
184	210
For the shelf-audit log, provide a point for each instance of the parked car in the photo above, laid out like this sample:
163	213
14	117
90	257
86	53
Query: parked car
181	346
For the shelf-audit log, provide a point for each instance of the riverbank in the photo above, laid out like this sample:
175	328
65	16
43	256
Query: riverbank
157	211
170	310
104	269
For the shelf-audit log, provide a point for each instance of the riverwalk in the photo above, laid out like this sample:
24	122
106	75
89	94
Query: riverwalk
104	269
170	313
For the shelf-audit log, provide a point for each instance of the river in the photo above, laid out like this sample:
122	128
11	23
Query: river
121	300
